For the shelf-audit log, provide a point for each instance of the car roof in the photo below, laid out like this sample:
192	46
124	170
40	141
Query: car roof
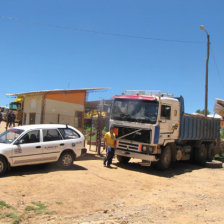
43	126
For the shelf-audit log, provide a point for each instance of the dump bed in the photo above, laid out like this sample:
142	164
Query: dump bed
194	127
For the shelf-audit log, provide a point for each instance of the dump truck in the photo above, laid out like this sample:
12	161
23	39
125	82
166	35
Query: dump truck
17	107
152	126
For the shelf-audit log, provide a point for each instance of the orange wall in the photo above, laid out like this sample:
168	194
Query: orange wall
75	97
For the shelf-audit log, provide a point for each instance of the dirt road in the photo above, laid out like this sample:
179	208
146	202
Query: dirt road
91	193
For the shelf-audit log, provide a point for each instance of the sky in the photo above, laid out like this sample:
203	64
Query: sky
117	44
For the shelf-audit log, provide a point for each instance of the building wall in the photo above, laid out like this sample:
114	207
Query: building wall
61	112
63	108
32	104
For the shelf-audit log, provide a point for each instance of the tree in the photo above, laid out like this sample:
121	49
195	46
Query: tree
202	111
222	132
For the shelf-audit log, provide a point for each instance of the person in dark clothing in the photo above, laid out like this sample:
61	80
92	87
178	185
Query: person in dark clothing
110	145
9	119
1	118
13	118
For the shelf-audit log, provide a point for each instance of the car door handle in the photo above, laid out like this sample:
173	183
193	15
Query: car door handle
38	147
62	144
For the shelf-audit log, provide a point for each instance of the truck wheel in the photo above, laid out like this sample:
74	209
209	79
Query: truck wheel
211	151
165	158
66	160
123	159
3	166
201	154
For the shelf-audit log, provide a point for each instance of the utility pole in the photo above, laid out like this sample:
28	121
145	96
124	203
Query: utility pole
206	70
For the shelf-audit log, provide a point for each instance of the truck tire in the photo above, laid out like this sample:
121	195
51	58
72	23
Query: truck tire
3	166
214	164
165	158
200	153
123	159
211	151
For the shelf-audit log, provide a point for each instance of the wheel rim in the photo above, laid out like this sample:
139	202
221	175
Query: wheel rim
67	160
1	166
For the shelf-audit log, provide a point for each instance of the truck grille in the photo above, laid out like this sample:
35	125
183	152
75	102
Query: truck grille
142	136
127	146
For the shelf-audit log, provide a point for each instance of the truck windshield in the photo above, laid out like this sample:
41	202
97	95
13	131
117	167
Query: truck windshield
9	136
142	111
15	106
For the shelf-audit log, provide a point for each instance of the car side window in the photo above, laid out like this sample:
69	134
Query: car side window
68	133
51	135
31	137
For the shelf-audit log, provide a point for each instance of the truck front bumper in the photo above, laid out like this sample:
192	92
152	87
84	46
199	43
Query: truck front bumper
135	155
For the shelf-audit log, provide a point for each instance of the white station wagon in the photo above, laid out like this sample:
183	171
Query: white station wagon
36	144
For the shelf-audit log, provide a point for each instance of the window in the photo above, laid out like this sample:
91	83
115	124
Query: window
79	119
51	135
68	133
24	118
31	137
165	112
32	118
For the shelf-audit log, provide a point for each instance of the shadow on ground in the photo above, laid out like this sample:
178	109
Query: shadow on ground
91	156
177	169
41	168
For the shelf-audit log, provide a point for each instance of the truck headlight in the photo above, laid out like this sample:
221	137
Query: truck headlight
144	148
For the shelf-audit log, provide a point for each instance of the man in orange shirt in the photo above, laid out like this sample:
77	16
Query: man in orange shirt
109	144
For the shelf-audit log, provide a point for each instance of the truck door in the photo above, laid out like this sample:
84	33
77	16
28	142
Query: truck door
169	122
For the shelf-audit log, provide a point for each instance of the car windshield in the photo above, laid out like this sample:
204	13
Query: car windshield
9	136
142	111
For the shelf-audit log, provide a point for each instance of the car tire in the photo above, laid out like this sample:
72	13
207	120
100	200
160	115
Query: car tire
3	166
66	160
123	159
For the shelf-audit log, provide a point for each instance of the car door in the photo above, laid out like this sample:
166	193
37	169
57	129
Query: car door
72	140
27	149
52	144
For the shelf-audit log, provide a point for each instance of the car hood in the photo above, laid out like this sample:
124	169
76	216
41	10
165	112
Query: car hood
4	147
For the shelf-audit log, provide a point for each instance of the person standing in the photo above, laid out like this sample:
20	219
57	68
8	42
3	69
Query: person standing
1	118
13	118
110	145
9	119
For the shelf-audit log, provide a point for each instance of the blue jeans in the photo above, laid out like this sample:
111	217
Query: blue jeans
109	156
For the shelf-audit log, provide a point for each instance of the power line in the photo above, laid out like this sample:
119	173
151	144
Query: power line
95	31
216	66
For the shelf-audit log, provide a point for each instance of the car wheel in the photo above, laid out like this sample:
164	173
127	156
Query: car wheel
3	166
123	159
66	160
